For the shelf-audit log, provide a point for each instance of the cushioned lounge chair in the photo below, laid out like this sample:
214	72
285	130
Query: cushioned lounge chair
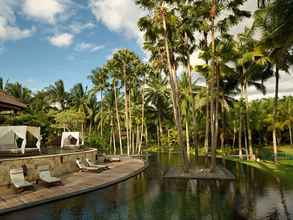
114	159
85	168
17	179
45	175
111	158
91	164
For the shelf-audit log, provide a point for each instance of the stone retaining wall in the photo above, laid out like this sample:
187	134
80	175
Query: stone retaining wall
60	164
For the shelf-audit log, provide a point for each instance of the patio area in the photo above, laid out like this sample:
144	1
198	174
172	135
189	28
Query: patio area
73	184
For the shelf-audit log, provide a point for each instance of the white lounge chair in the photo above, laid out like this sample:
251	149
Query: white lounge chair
45	175
85	168
91	164
112	158
17	179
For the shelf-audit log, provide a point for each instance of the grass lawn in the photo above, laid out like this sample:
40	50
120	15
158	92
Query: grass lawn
282	169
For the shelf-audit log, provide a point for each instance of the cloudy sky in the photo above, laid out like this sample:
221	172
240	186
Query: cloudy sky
43	41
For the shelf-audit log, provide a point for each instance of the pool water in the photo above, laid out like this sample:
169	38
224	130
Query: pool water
254	195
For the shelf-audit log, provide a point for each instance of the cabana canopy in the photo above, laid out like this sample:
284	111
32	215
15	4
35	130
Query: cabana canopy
67	137
8	136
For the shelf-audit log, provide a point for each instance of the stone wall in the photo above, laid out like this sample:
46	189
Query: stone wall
59	164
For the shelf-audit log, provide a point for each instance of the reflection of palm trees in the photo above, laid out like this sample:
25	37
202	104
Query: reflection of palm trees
283	200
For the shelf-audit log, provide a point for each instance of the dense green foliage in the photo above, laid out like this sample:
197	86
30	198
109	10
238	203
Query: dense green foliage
132	105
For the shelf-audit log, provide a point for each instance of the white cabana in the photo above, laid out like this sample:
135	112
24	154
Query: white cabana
67	138
8	135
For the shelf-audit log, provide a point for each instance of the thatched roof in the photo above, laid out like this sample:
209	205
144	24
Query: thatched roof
8	102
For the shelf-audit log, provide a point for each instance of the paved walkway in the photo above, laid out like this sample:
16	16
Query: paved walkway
73	184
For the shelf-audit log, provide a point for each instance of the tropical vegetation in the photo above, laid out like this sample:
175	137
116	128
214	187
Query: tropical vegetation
132	105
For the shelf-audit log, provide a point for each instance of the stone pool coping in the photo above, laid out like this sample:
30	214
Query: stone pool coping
89	150
74	184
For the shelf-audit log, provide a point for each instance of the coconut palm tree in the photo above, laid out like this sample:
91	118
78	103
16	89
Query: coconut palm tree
57	94
278	52
156	98
160	30
127	66
99	79
18	91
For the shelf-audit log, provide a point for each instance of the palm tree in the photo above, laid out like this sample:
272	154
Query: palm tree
126	67
253	68
278	52
99	78
58	94
107	116
78	96
160	30
156	97
18	91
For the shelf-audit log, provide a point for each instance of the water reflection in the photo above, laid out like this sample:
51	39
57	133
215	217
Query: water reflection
254	195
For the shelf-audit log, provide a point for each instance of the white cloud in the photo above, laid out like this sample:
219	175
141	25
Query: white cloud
8	29
44	10
118	16
83	46
62	40
285	87
78	27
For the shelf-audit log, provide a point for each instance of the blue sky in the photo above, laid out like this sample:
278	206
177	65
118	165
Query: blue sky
42	41
63	39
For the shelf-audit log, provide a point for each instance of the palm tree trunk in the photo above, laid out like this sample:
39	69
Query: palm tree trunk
234	134
131	145
187	137
142	117
126	111
240	126
223	127
251	154
275	109
82	133
146	134
168	137
158	134
175	94
290	133
101	111
137	138
132	141
207	127
194	132
111	141
113	137
117	117
213	92
290	124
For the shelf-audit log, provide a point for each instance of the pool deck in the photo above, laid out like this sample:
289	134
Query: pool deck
73	184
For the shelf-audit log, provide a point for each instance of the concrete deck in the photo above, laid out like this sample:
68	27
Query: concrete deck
220	173
73	184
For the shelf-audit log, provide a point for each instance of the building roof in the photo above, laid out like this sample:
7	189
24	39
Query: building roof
8	102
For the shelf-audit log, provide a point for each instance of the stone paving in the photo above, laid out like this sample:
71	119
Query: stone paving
73	184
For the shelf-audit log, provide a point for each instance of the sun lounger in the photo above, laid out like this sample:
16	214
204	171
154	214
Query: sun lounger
84	168
45	175
91	164
17	179
114	159
111	158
